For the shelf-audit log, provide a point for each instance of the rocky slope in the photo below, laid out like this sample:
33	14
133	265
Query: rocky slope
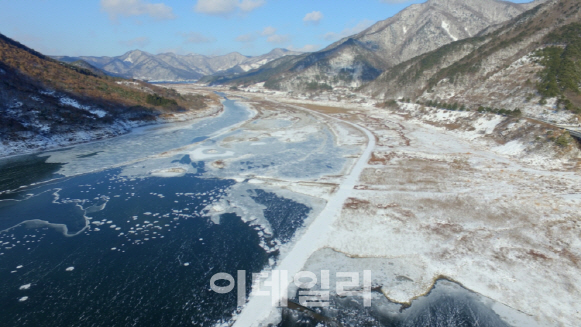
44	102
363	57
172	67
501	69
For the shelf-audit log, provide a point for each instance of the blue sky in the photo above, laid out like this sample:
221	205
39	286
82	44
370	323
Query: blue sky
209	27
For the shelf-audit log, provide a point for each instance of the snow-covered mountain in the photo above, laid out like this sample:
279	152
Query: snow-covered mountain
361	58
501	69
173	67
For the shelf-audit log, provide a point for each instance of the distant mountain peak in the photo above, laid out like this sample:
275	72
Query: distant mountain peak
137	52
170	66
279	50
360	58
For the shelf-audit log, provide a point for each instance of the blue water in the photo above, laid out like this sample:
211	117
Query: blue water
100	248
123	279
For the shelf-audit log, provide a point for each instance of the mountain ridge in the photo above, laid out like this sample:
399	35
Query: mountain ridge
44	102
168	66
417	29
466	70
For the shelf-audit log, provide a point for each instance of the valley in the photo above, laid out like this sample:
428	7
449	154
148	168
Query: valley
429	164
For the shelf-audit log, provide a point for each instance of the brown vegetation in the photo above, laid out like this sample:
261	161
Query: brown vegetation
353	203
84	84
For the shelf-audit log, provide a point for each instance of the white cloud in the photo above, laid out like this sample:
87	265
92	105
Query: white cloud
313	17
216	7
246	38
194	37
278	38
267	31
139	42
349	31
225	7
250	5
116	8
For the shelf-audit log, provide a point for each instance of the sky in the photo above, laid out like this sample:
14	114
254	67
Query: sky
208	27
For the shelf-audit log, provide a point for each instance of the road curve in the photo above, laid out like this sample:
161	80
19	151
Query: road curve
259	308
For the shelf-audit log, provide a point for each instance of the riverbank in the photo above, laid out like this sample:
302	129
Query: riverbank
261	171
438	202
38	143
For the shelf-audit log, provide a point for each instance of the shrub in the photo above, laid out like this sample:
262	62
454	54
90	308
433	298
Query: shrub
563	140
272	85
390	104
314	86
156	100
562	63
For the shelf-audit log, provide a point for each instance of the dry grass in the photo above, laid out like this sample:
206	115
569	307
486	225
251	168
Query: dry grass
220	164
325	109
354	203
381	158
413	173
346	114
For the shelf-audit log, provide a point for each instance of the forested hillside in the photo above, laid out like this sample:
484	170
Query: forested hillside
42	99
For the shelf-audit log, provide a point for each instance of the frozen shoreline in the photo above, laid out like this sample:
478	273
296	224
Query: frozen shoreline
455	204
119	128
258	308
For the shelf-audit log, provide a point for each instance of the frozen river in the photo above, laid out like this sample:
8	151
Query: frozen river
129	231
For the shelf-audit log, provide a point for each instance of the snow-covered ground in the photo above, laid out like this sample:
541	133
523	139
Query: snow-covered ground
443	196
457	209
311	240
74	103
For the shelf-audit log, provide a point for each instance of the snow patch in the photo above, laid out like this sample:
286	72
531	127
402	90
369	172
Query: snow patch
467	31
512	148
48	92
446	27
16	104
169	172
74	103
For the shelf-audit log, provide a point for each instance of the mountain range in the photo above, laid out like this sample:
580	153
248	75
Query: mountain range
521	63
473	53
172	67
361	58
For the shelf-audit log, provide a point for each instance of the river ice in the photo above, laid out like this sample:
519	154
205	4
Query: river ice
273	172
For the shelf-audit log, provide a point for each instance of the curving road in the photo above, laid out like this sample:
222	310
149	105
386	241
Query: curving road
259	308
